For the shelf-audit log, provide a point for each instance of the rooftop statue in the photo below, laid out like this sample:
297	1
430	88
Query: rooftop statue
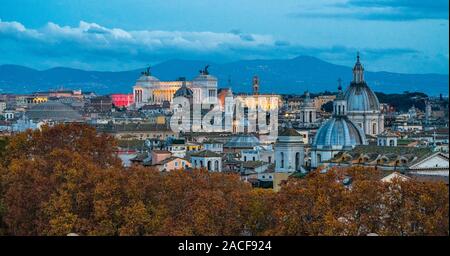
147	72
205	71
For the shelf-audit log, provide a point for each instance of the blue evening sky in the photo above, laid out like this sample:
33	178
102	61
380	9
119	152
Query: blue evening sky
392	35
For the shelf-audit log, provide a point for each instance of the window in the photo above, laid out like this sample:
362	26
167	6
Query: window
282	160
216	165
254	159
297	161
270	159
209	166
212	93
176	164
245	159
374	128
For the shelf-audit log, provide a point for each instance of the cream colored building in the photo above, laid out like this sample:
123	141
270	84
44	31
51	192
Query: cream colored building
149	90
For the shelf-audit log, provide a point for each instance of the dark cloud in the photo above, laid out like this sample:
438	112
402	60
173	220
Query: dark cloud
390	10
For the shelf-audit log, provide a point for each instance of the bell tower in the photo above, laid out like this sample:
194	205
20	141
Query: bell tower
340	103
255	85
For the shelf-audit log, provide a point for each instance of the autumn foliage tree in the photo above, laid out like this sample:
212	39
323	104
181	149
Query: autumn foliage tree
68	179
51	166
325	203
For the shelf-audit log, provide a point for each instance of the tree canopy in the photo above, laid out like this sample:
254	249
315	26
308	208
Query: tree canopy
68	179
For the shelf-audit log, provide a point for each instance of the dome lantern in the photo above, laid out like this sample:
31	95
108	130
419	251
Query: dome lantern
358	71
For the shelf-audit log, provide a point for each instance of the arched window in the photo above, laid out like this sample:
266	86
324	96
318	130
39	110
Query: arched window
201	164
216	165
310	116
209	166
391	143
319	158
245	158
374	128
282	160
297	161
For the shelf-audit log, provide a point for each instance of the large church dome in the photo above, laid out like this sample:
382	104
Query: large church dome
339	131
359	96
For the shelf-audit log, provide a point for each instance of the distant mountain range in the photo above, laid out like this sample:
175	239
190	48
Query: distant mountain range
291	76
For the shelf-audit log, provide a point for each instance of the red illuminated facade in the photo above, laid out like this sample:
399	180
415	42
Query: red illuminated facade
122	100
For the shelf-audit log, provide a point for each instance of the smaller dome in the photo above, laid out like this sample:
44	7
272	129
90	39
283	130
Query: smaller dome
53	110
184	92
339	132
229	93
307	102
243	141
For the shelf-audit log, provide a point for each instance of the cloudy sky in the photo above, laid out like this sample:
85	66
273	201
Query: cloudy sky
405	36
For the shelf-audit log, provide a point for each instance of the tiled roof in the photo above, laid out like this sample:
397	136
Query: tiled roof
139	158
289	132
161	152
170	159
131	127
382	156
254	164
205	153
212	141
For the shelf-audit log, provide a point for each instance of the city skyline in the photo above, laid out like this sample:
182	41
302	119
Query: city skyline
224	118
398	36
